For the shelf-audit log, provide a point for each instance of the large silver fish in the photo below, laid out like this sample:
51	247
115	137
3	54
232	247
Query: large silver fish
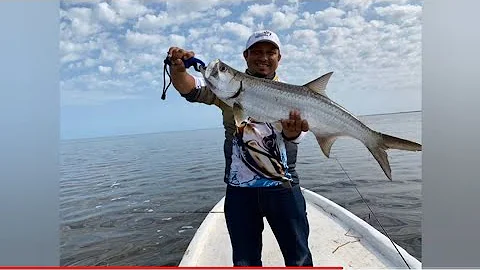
269	101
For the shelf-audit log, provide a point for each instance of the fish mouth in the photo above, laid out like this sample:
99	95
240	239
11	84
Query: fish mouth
212	68
202	70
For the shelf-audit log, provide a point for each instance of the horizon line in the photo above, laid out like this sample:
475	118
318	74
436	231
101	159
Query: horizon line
199	129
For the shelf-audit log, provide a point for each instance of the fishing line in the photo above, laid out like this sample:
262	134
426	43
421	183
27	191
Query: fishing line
355	186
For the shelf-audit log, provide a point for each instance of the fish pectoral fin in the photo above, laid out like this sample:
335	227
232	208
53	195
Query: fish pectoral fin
326	142
320	84
238	113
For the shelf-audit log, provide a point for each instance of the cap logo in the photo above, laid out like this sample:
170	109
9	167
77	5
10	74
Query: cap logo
263	34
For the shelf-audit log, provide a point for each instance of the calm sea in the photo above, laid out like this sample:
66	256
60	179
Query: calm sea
138	200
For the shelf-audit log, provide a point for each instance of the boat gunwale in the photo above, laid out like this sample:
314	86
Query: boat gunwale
372	239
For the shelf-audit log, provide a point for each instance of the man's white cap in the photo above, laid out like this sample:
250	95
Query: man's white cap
265	36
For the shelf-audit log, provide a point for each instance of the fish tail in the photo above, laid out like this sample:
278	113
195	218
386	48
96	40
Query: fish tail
386	142
392	142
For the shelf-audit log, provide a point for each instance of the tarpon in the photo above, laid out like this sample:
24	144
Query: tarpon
270	101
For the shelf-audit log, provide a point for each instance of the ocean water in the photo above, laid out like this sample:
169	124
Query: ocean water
138	200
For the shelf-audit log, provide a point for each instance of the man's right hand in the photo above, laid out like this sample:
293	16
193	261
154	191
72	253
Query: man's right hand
181	80
176	55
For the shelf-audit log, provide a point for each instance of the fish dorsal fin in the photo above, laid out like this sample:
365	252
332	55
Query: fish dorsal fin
319	84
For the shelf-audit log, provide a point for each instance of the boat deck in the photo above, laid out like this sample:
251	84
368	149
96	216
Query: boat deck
337	238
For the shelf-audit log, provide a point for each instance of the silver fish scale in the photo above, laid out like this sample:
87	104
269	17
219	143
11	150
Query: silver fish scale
272	101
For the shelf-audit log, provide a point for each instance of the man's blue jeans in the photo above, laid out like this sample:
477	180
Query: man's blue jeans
285	211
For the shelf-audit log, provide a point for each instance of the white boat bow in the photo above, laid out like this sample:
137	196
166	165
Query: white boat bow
337	238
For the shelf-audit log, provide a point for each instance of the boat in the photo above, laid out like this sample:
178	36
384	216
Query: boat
337	238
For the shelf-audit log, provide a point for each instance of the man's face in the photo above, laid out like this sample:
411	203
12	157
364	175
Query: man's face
262	58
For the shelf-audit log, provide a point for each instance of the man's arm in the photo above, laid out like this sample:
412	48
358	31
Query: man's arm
191	88
181	80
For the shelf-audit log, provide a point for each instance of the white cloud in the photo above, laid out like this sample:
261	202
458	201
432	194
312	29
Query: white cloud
89	62
305	41
146	2
71	3
110	53
99	88
360	5
137	39
92	97
321	19
237	29
115	50
261	11
247	20
220	49
401	2
162	20
177	7
305	35
147	59
153	22
129	9
257	11
107	14
195	33
66	46
398	14
103	69
222	13
177	40
81	22
70	57
121	67
354	23
147	75
282	20
292	7
91	89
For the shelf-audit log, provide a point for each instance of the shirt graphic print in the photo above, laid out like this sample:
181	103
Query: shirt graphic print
259	156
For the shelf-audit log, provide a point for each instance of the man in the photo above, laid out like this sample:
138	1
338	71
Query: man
256	155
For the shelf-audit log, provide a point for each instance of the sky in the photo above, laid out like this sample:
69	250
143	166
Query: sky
112	52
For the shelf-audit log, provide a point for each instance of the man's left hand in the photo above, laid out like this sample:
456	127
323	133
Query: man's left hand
293	126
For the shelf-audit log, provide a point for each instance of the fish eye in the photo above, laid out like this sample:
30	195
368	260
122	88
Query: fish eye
223	68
